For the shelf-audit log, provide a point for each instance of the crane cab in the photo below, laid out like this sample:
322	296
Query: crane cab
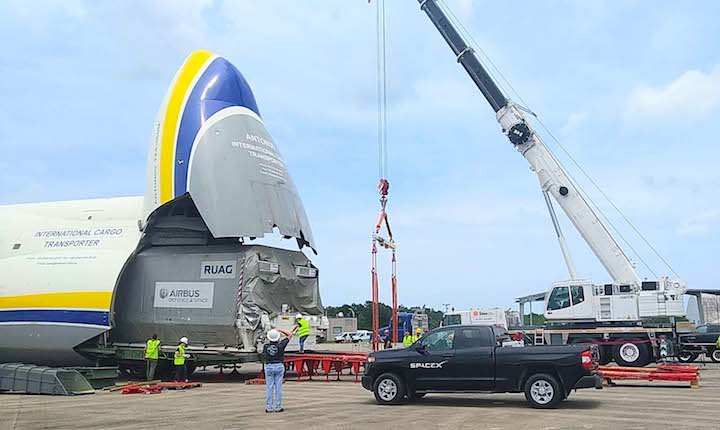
582	301
570	300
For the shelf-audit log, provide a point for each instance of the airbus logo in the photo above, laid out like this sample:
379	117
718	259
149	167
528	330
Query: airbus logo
427	365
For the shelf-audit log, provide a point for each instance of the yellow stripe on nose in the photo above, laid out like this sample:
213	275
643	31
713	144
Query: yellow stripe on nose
75	300
173	112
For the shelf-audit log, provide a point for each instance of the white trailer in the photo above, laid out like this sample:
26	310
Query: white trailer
482	316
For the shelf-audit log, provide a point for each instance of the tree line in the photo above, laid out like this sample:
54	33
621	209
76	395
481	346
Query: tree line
363	313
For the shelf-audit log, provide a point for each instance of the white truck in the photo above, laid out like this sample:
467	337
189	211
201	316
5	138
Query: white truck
489	316
620	315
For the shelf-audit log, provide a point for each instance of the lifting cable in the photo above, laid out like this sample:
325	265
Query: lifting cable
477	47
383	187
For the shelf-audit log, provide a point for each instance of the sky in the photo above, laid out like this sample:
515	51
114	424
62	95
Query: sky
630	88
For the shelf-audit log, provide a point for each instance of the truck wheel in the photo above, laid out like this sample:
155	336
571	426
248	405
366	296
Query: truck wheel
715	356
389	389
631	354
687	356
542	391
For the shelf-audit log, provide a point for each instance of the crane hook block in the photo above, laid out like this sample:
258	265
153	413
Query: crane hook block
383	187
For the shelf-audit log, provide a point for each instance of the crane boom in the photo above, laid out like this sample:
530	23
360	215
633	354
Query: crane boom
553	178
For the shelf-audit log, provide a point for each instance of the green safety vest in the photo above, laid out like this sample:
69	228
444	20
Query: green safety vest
407	340
180	355
151	350
304	328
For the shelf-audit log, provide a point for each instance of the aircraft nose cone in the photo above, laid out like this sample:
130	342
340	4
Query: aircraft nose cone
218	85
221	85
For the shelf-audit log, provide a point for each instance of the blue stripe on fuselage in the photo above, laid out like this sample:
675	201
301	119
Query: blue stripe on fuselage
55	315
220	86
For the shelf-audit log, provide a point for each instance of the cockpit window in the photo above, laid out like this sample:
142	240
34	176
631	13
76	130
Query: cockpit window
559	298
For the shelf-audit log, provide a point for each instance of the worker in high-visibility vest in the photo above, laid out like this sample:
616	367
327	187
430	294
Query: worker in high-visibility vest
302	330
407	339
418	334
718	342
152	353
181	373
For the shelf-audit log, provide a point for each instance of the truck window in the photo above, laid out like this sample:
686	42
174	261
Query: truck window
451	320
578	296
474	338
702	329
559	298
439	340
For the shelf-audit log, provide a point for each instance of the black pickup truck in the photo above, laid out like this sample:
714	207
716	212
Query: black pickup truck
469	359
703	340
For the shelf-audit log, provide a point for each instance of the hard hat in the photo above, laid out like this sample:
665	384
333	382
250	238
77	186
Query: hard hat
298	316
184	340
418	330
273	335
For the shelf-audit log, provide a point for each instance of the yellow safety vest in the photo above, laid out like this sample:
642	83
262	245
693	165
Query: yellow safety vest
304	328
415	338
151	350
718	342
180	355
407	340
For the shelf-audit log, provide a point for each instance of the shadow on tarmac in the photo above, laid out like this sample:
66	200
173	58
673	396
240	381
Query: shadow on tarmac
519	402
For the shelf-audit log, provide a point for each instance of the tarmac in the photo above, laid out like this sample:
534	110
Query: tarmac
228	403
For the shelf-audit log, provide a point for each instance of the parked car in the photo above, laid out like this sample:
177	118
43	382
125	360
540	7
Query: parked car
346	336
362	336
468	358
703	340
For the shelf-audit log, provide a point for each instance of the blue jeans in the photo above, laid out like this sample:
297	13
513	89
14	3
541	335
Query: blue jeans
302	343
274	373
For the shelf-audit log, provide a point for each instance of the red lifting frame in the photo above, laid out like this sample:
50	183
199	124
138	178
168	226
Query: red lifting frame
389	243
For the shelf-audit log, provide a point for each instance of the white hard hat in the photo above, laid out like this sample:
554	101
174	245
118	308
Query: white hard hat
298	316
273	335
184	340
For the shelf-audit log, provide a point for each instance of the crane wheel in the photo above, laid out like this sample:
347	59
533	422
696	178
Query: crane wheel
631	354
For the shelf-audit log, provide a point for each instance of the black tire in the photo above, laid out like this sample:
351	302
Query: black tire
688	356
631	354
389	389
715	355
543	391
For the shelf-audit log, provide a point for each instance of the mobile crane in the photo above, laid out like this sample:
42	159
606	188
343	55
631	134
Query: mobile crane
619	316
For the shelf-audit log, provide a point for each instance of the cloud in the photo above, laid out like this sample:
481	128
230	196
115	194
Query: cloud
694	94
463	8
574	123
702	223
